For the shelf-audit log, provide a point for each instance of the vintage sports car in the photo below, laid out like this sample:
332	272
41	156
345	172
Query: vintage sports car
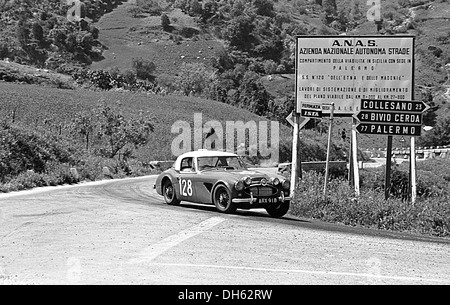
222	179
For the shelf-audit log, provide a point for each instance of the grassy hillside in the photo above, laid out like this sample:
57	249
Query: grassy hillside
126	37
43	108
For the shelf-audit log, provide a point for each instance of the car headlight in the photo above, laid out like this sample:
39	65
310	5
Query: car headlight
247	181
275	181
239	185
286	184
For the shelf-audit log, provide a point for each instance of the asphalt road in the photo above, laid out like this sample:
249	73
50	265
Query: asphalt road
121	232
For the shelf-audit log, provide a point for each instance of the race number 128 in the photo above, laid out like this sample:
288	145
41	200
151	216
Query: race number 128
186	187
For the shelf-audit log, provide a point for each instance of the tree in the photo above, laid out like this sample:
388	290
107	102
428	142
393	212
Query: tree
239	33
23	33
196	79
264	7
83	124
440	134
253	96
135	11
144	69
330	10
38	32
165	22
121	134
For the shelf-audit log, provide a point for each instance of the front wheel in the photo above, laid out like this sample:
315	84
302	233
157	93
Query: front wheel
170	197
222	200
278	211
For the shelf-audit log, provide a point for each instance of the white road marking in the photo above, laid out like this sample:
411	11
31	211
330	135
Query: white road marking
315	272
153	251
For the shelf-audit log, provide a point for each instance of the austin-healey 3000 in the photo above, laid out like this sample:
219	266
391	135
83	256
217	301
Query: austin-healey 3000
222	179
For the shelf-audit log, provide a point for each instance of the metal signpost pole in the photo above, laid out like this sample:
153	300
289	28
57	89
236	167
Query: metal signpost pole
295	173
413	170
355	159
327	166
387	179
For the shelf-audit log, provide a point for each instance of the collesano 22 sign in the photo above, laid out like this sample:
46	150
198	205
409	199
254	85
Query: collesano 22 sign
346	69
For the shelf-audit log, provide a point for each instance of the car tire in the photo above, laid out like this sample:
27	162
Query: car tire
170	196
278	211
222	200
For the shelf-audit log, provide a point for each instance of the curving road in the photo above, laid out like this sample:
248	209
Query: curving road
121	232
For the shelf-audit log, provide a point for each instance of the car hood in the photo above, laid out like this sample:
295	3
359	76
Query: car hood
234	175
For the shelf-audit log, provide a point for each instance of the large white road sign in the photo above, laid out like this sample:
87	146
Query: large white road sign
345	69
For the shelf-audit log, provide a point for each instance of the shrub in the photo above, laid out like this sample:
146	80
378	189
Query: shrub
165	22
23	149
144	69
429	215
196	79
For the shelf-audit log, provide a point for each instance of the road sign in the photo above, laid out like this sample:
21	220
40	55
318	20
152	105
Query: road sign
311	110
391	117
411	119
290	119
394	106
306	113
388	129
303	121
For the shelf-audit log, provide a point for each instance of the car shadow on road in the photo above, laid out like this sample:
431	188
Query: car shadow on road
291	220
257	213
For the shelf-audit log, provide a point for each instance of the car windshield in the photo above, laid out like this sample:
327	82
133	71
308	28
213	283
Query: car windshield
217	163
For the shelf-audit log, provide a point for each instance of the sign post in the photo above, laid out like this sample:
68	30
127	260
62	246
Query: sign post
412	162
354	160
327	166
296	170
387	177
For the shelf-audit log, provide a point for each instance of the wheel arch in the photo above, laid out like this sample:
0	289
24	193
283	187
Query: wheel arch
219	183
167	178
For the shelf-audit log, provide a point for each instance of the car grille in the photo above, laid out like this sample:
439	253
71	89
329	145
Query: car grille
260	191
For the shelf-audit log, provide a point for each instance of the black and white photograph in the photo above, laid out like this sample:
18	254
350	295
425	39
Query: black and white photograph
225	151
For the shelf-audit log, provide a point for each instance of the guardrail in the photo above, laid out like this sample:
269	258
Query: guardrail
424	153
318	166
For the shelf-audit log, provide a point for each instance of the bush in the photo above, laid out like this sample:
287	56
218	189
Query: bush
165	22
427	216
23	150
144	69
429	184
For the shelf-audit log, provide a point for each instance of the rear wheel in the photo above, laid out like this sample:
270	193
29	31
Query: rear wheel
279	210
222	200
170	197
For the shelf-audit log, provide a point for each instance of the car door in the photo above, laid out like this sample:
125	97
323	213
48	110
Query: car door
185	180
204	180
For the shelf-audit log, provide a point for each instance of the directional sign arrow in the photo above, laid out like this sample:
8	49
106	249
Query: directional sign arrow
388	129
412	119
290	119
394	106
302	122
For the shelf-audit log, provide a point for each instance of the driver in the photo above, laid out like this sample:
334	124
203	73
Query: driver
222	162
